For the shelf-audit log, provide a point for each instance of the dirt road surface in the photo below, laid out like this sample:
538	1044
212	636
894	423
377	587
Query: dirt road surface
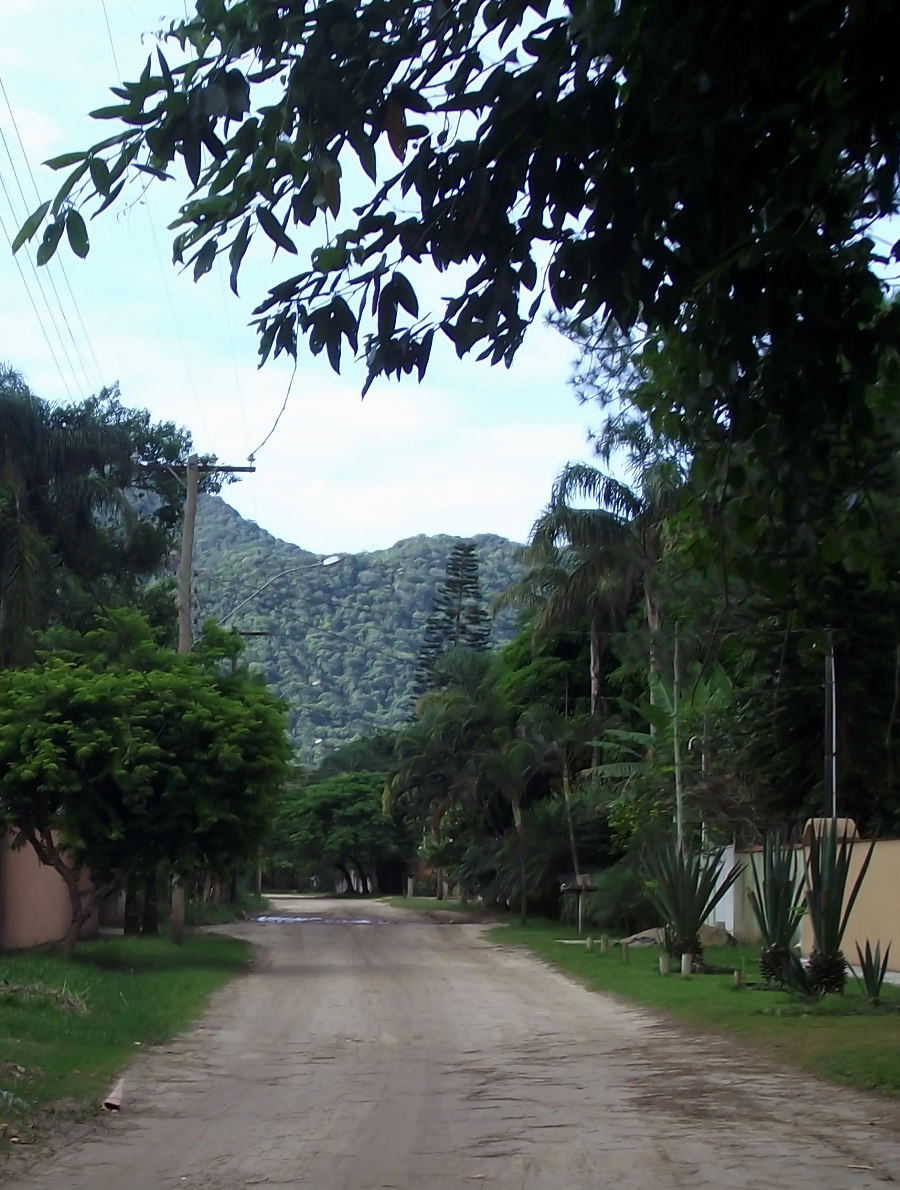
407	1054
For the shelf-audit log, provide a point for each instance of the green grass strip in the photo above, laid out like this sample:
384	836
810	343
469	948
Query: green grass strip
841	1038
135	992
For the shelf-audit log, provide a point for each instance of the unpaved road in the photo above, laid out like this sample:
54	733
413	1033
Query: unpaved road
409	1055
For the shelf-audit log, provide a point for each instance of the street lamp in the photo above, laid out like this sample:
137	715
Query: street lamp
331	560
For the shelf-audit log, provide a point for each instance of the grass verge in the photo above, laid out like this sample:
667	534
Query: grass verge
840	1039
128	992
433	905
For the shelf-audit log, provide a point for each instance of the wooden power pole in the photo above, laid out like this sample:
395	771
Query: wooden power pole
192	474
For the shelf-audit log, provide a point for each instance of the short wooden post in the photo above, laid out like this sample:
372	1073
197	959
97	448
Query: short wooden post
589	943
686	962
664	964
738	977
624	952
604	943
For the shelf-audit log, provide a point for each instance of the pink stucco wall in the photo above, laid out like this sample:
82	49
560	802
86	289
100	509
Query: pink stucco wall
34	902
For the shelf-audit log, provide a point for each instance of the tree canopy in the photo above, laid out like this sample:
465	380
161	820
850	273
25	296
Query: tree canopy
89	509
337	821
711	180
118	754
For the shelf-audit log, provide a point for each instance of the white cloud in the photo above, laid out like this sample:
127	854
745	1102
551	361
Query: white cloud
473	449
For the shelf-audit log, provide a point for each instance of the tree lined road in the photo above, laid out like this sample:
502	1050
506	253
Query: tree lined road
406	1053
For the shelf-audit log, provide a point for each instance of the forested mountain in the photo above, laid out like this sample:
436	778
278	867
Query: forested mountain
342	640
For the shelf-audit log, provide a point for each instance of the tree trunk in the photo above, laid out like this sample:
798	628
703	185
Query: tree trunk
523	866
348	880
234	887
440	884
567	798
596	683
654	623
132	923
151	907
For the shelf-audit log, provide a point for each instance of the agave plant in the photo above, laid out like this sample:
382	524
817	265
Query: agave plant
874	969
830	905
795	978
778	905
685	888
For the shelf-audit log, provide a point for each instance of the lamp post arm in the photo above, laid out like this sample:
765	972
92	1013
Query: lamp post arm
259	591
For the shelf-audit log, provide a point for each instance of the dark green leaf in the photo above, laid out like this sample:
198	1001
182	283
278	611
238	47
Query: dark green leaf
65	159
274	230
77	233
66	189
30	226
204	259
100	175
237	251
405	294
50	242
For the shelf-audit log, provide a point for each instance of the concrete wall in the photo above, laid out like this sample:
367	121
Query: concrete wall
745	928
725	911
876	914
34	901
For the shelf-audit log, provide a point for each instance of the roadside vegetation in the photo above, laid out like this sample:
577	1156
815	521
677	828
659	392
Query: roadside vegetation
842	1039
68	1025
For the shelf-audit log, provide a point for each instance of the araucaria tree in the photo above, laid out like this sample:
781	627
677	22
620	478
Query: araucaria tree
458	618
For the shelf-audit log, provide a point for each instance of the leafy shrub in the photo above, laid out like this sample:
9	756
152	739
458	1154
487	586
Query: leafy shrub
621	901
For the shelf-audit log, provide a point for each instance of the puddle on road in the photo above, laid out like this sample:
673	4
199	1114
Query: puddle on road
270	919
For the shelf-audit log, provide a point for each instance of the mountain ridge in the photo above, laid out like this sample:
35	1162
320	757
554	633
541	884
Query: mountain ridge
338	642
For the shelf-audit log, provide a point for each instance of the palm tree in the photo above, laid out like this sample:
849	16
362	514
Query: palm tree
625	536
560	738
505	767
576	570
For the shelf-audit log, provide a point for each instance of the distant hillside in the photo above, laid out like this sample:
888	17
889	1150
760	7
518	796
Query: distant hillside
342	639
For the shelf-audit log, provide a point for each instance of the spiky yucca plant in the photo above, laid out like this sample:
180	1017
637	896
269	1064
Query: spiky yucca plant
873	969
778	905
684	887
830	906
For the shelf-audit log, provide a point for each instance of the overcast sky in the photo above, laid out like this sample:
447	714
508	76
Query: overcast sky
473	449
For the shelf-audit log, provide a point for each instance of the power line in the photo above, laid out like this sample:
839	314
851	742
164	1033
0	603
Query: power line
237	379
184	358
43	293
75	348
37	315
171	304
58	259
287	397
112	44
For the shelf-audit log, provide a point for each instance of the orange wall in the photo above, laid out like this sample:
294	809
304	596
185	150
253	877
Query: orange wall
34	901
876	914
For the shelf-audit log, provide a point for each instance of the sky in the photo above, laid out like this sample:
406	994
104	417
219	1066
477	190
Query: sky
473	449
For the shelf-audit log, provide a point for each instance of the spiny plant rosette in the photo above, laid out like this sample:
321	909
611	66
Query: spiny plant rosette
685	887
873	969
829	905
778	905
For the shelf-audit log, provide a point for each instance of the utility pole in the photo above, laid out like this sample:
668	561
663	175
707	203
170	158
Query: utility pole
830	731
676	748
192	479
192	473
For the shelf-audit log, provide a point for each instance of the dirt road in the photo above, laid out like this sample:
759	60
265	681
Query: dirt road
408	1054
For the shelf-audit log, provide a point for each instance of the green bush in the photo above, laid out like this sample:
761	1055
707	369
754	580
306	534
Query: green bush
621	902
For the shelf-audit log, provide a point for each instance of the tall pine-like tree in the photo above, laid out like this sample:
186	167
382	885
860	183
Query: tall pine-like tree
458	616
